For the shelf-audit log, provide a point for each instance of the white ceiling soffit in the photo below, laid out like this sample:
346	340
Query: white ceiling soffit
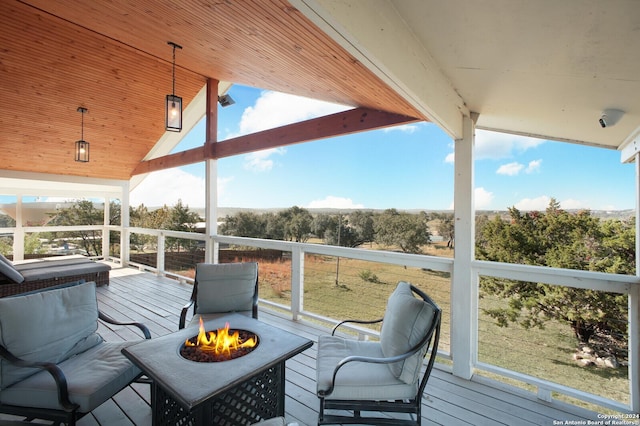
540	68
39	184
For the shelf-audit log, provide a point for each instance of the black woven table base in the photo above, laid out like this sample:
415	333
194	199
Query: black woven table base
257	398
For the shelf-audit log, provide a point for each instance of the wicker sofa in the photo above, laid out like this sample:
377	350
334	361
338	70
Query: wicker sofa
50	272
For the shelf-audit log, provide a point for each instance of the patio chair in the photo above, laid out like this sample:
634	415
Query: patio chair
220	288
53	363
380	376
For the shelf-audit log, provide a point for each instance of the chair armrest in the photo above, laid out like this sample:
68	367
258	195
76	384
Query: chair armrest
54	370
183	314
104	317
356	322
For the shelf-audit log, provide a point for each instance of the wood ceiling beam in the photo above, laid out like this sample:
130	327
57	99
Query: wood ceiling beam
339	124
342	123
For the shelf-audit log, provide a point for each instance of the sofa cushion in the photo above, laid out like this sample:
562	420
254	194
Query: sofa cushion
51	270
9	271
47	326
406	320
225	287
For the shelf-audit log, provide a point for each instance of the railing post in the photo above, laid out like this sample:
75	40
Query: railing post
18	235
105	229
297	281
160	255
634	348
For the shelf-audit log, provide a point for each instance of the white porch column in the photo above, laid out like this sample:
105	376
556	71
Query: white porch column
464	285
211	250
124	224
634	311
18	235
105	228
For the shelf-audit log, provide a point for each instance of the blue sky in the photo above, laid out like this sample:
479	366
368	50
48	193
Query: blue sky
408	167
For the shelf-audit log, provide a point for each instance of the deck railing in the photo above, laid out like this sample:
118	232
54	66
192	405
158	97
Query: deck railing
616	391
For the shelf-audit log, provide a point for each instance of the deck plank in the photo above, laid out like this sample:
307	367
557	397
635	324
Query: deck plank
156	301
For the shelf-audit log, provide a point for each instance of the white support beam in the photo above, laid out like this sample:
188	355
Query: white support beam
125	223
464	284
211	200
634	312
375	34
630	148
105	228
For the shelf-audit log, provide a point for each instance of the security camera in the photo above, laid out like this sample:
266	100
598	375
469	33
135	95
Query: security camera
603	121
610	117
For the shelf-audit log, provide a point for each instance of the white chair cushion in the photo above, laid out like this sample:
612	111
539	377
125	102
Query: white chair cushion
47	326
225	287
93	377
358	380
406	320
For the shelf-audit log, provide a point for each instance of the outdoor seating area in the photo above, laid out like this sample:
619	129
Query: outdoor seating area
42	273
158	301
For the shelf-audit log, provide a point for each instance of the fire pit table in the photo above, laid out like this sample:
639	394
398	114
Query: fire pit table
237	391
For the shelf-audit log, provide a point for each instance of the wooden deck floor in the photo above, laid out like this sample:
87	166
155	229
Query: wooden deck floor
447	401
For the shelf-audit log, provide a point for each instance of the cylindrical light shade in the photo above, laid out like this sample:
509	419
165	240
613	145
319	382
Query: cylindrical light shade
174	113
82	151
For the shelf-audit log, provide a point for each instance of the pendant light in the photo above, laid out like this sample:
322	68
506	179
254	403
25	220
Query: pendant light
173	118
82	146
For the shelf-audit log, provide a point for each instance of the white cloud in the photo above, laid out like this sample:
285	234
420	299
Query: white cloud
482	198
274	109
534	166
405	128
571	204
450	158
542	202
169	186
527	204
331	202
260	161
502	145
510	169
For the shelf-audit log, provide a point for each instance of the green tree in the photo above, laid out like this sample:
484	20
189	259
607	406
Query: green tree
351	230
446	229
559	239
404	230
180	218
6	221
244	224
296	222
82	212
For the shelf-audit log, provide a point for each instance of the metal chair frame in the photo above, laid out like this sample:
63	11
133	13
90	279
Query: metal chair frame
69	414
412	406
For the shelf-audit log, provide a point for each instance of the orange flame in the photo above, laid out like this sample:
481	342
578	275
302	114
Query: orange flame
221	342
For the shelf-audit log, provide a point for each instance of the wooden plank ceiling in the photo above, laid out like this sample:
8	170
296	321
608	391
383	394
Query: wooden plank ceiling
113	59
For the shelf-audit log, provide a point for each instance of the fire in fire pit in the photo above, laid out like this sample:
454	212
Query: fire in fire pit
221	345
